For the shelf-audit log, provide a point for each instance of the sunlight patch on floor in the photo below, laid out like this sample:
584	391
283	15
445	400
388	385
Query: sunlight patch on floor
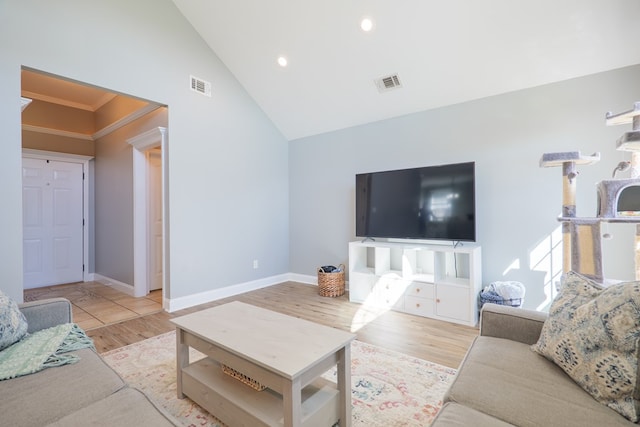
384	295
367	313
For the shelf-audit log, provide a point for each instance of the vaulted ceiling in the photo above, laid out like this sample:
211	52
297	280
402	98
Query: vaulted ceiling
442	52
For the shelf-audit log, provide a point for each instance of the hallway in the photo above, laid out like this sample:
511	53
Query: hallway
95	305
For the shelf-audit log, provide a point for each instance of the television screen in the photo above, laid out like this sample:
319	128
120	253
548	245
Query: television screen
433	202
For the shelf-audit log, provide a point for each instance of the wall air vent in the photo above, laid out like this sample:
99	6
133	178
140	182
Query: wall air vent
387	83
200	86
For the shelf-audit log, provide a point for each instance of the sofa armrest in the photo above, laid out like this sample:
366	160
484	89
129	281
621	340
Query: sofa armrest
46	313
512	323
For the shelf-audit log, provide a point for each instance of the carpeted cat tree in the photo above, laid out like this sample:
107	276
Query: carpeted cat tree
618	200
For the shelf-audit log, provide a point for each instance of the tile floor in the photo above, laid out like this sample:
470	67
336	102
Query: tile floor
95	305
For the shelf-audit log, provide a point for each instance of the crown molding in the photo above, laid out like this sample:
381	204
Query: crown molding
54	155
57	132
126	120
149	139
102	132
59	101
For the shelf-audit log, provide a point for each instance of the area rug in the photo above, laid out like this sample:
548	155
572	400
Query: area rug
388	388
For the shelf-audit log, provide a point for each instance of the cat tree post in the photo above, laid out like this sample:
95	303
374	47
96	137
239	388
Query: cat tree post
586	247
580	251
569	175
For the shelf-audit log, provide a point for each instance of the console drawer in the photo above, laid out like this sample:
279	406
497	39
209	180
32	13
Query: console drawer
419	306
421	289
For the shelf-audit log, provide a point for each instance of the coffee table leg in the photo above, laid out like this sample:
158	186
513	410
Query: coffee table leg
182	360
292	402
344	385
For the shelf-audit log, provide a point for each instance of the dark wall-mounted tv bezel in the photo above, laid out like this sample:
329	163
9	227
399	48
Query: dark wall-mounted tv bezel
466	232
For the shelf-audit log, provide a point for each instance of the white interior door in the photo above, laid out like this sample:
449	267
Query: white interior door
154	157
52	198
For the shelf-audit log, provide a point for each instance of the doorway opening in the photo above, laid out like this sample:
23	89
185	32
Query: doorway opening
66	119
149	213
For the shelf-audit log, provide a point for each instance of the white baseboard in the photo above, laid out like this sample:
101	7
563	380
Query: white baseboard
309	280
121	286
180	303
303	278
175	304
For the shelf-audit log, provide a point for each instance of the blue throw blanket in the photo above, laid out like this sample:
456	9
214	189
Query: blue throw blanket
43	349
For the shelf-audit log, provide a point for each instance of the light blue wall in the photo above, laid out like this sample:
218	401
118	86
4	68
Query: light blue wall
517	201
228	166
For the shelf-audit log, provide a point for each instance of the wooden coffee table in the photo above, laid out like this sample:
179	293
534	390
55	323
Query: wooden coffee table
285	354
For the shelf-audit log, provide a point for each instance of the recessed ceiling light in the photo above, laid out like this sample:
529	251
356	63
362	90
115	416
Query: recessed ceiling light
366	24
282	61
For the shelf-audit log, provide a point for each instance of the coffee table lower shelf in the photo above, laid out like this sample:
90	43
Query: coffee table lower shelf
238	404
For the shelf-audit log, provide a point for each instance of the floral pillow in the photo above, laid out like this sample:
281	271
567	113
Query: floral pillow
593	334
13	324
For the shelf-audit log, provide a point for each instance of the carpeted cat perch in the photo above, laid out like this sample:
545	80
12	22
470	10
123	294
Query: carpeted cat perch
618	200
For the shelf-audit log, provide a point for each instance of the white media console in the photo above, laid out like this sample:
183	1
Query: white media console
437	281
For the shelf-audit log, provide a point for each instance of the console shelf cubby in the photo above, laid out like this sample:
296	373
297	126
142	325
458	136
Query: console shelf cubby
437	281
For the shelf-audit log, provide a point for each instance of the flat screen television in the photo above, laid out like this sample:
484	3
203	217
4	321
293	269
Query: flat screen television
429	203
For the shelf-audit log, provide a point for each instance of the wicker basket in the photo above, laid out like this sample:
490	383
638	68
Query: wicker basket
331	284
242	378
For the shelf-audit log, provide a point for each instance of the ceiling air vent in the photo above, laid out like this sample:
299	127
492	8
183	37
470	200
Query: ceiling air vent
200	86
387	83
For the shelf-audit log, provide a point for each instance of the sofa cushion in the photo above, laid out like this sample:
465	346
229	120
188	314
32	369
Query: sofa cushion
13	324
127	407
508	381
49	395
593	334
455	415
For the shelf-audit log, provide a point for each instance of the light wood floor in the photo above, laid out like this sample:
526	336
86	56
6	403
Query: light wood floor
441	342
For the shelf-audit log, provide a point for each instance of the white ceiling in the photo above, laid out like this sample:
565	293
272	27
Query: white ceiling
444	52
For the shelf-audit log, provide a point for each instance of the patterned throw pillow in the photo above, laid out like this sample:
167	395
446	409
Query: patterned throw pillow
593	334
13	324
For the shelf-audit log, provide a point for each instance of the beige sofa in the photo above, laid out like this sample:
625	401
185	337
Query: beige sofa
86	393
502	382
